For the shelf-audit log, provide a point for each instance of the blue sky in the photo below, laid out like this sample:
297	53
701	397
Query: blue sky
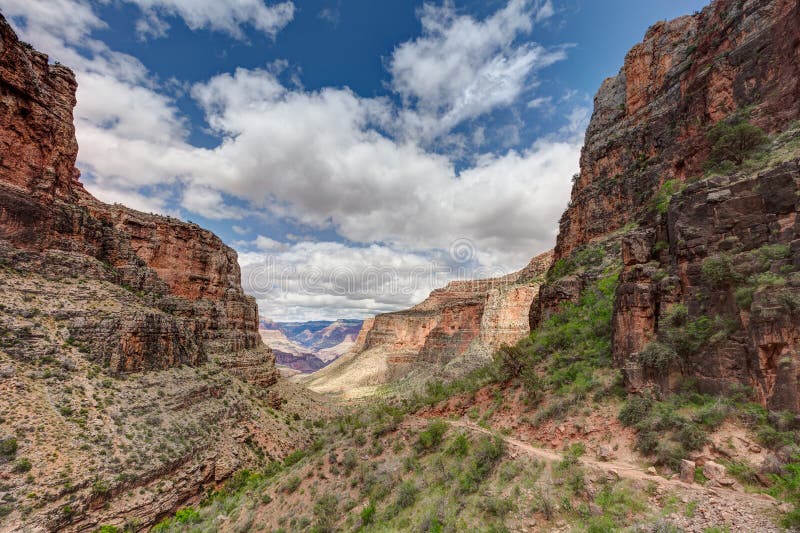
327	140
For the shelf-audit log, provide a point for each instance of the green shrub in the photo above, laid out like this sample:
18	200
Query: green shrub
187	515
368	514
588	257
635	410
686	336
291	484
487	452
108	529
459	447
768	279
407	494
741	471
657	356
717	271
771	252
100	488
790	302
431	438
8	447
787	486
691	436
744	296
668	189
294	458
325	512
733	142
22	465
495	506
601	524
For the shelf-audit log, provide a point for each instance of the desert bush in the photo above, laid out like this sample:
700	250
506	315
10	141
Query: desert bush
459	447
8	447
22	465
661	199
635	410
431	437
496	506
407	494
787	486
717	271
657	356
325	512
732	143
685	335
100	488
368	514
744	296
291	484
488	452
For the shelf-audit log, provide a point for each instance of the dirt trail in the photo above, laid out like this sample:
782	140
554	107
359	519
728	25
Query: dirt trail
740	511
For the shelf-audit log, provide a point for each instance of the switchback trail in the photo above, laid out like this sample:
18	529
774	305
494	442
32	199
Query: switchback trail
740	511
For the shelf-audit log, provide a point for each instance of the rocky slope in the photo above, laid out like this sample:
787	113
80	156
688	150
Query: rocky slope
133	375
709	287
459	325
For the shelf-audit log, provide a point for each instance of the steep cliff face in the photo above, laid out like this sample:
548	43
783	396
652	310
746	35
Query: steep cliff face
709	282
187	273
650	120
466	320
132	375
39	153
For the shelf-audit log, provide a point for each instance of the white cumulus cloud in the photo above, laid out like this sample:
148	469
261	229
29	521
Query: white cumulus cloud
228	16
328	158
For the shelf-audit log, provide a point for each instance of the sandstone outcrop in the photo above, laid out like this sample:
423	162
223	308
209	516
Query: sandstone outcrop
464	322
134	377
709	282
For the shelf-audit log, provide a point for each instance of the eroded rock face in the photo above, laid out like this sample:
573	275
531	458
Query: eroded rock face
39	152
649	121
715	263
125	337
465	318
188	274
731	247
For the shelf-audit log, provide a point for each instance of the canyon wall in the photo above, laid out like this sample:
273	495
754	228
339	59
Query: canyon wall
132	374
462	323
709	280
650	121
186	272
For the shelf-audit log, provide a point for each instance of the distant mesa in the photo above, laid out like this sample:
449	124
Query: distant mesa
458	327
305	347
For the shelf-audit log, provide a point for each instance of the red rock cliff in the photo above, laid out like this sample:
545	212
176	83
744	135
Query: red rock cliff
719	257
188	275
466	320
649	121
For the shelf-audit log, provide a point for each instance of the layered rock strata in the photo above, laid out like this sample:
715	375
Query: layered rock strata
709	280
190	278
132	375
465	319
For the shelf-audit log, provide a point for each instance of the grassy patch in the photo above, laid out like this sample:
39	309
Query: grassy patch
670	428
563	355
